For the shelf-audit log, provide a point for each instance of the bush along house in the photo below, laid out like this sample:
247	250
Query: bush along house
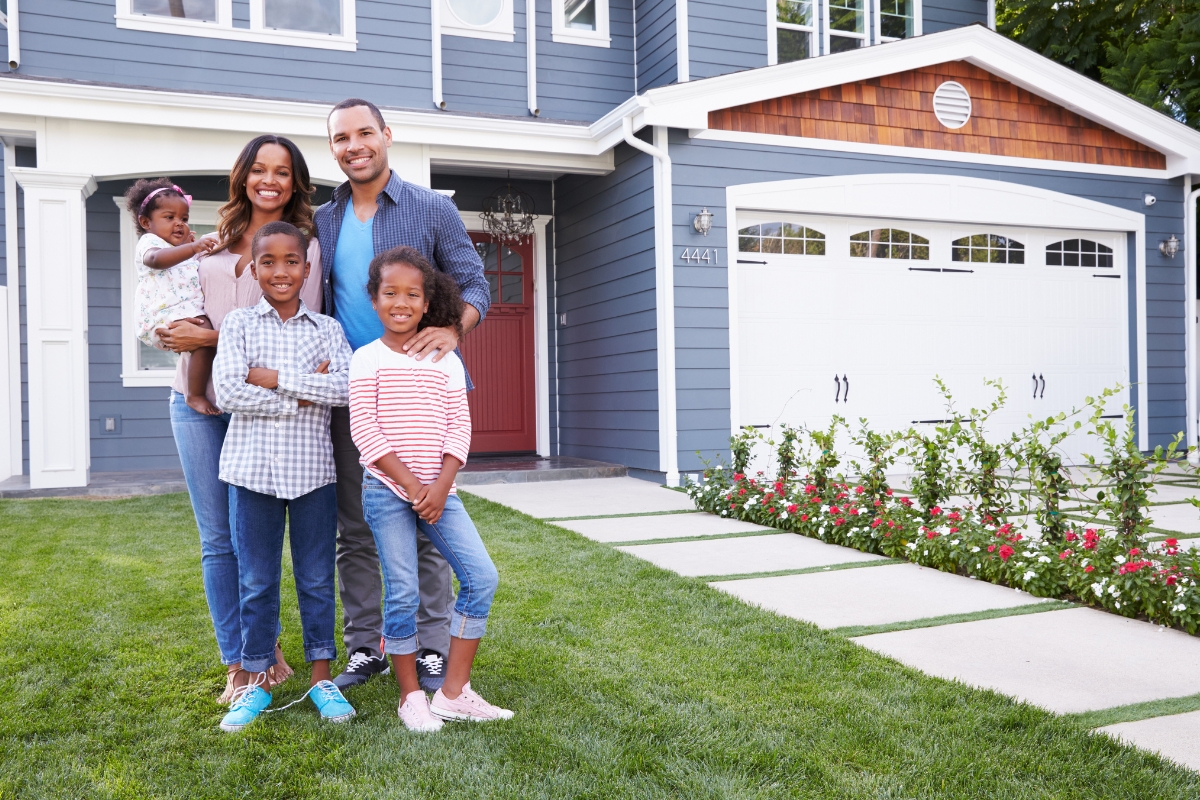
748	213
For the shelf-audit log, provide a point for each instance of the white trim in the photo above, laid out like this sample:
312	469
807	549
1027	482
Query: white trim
827	33
223	27
801	142
499	29
1190	328
774	26
541	348
13	22
991	14
203	212
559	32
13	463
772	36
683	69
940	198
877	36
531	56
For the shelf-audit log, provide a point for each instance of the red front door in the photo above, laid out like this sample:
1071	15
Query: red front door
499	353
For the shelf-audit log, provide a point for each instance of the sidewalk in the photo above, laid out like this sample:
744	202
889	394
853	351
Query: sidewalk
1124	677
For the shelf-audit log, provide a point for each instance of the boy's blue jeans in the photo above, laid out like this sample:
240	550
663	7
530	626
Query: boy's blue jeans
394	525
258	526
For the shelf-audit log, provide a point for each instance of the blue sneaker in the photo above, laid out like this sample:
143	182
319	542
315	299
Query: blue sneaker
248	703
327	697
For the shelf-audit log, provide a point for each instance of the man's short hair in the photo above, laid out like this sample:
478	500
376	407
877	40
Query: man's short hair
275	228
354	102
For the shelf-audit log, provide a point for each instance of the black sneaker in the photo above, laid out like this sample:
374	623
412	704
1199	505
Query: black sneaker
431	670
361	667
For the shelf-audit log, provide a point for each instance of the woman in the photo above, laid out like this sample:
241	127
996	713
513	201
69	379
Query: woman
268	182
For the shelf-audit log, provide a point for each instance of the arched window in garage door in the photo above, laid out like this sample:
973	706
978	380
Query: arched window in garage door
781	237
889	243
1078	253
987	248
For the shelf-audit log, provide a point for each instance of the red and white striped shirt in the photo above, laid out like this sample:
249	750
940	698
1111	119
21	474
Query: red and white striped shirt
415	409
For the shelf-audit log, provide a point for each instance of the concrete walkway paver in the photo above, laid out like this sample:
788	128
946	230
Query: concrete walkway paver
658	526
874	596
1078	659
1180	518
586	498
768	553
1176	737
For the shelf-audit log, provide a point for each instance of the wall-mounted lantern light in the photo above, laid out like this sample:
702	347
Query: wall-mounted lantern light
1169	247
703	222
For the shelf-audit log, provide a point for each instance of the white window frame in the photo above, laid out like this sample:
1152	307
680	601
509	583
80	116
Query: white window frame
224	28
203	212
864	37
559	31
877	21
499	30
773	26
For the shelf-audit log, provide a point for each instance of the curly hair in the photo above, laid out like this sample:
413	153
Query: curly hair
441	292
234	216
137	194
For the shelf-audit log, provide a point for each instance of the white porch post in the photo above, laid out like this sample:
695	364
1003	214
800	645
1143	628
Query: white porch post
56	326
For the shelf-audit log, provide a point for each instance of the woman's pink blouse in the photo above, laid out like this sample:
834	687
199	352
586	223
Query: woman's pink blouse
223	292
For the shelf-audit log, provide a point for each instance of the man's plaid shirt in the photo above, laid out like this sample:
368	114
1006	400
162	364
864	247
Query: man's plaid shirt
414	216
274	446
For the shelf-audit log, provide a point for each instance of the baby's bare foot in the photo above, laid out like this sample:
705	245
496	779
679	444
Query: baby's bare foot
199	403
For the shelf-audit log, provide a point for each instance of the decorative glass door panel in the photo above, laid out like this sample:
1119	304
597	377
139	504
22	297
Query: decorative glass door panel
499	353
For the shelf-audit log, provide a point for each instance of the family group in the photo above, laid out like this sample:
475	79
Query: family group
320	388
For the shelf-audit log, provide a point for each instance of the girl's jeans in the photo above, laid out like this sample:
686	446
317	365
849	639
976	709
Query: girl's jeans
258	527
394	525
198	438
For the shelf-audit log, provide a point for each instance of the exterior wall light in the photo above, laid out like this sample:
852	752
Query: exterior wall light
1169	247
703	222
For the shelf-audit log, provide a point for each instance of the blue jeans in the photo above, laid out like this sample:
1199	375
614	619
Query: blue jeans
198	438
258	528
394	525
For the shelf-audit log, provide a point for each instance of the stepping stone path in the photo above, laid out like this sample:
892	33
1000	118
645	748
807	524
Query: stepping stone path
1066	659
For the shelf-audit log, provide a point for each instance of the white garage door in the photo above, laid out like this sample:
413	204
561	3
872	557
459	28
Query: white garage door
838	315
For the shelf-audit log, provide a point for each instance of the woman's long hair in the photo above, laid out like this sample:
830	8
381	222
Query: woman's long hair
234	216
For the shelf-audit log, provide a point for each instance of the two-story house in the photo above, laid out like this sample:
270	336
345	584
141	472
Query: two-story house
750	212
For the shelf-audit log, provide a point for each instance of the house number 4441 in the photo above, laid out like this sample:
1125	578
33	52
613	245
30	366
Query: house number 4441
695	255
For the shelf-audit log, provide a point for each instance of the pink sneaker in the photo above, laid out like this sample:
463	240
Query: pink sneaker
414	713
468	706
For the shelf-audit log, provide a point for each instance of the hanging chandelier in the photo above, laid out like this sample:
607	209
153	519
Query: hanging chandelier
508	215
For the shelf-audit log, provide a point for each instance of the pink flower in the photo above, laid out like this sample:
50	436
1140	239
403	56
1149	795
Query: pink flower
852	511
1171	580
1064	555
810	489
858	490
1134	551
931	535
954	530
1088	568
875	523
878	503
792	508
935	512
1071	536
1171	542
771	510
991	548
804	517
954	515
840	521
1006	552
741	491
834	510
888	492
737	476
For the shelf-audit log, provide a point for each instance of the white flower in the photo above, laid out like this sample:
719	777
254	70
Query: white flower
1029	575
783	516
974	549
1044	559
824	509
1117	604
1098	589
751	501
912	545
1114	591
724	511
954	541
1180	607
1120	559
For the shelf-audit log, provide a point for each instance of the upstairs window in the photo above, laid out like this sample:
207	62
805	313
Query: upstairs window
1078	253
897	19
317	16
987	248
795	31
580	22
781	237
889	243
478	19
845	25
200	10
793	25
325	24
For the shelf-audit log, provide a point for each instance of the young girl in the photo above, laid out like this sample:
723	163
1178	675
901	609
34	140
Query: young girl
411	424
168	286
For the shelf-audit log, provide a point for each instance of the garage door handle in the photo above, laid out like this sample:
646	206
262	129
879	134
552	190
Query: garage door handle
1034	376
838	381
846	396
1043	394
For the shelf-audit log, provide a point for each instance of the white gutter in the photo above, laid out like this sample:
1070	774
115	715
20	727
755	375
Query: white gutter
435	27
664	297
531	54
13	23
682	67
1190	327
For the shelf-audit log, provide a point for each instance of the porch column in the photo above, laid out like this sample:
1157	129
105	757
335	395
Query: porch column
56	315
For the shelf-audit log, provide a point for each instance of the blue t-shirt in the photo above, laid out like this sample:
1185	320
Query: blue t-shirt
351	261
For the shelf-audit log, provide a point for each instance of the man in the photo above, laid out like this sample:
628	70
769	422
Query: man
370	213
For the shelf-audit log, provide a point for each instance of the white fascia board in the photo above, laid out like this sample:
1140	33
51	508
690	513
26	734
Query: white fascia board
600	164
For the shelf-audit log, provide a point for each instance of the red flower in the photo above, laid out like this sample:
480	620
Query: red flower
1006	552
852	511
878	503
810	489
841	496
954	530
858	490
741	491
875	523
954	515
1064	555
1171	542
1171	580
906	501
771	510
804	517
1088	568
792	508
768	496
834	510
991	548
779	486
888	492
840	521
737	476
1134	551
935	512
1070	536
931	535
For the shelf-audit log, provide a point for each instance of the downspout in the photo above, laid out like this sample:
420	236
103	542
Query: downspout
664	298
1189	284
992	14
13	22
682	67
435	35
531	54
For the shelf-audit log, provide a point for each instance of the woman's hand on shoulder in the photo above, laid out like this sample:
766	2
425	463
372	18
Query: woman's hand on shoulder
186	335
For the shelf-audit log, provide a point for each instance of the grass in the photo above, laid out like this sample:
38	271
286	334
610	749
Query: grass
1138	711
627	681
851	631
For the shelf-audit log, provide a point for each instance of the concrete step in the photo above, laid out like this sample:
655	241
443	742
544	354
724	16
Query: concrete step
483	470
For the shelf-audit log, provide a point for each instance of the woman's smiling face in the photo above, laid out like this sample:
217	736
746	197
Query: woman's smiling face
270	184
400	302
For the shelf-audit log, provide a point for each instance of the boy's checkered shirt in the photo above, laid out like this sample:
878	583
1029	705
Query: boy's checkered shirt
274	446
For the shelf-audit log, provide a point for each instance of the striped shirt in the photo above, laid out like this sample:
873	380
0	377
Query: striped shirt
415	409
273	445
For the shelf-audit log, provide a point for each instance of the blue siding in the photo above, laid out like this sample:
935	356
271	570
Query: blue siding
580	82
726	36
607	354
702	170
942	15
656	52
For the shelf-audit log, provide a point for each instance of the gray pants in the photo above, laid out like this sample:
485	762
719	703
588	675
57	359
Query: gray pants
359	580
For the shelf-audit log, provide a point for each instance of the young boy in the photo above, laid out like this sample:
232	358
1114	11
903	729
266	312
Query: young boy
279	368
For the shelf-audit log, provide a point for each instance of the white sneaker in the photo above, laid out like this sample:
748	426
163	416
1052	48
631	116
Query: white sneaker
414	713
467	706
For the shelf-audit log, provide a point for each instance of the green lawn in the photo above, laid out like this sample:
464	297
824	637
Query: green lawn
627	681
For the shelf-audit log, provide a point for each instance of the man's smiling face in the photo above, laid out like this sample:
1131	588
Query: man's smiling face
280	266
358	144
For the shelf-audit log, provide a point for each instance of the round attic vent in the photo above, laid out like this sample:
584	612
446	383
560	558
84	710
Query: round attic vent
952	104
